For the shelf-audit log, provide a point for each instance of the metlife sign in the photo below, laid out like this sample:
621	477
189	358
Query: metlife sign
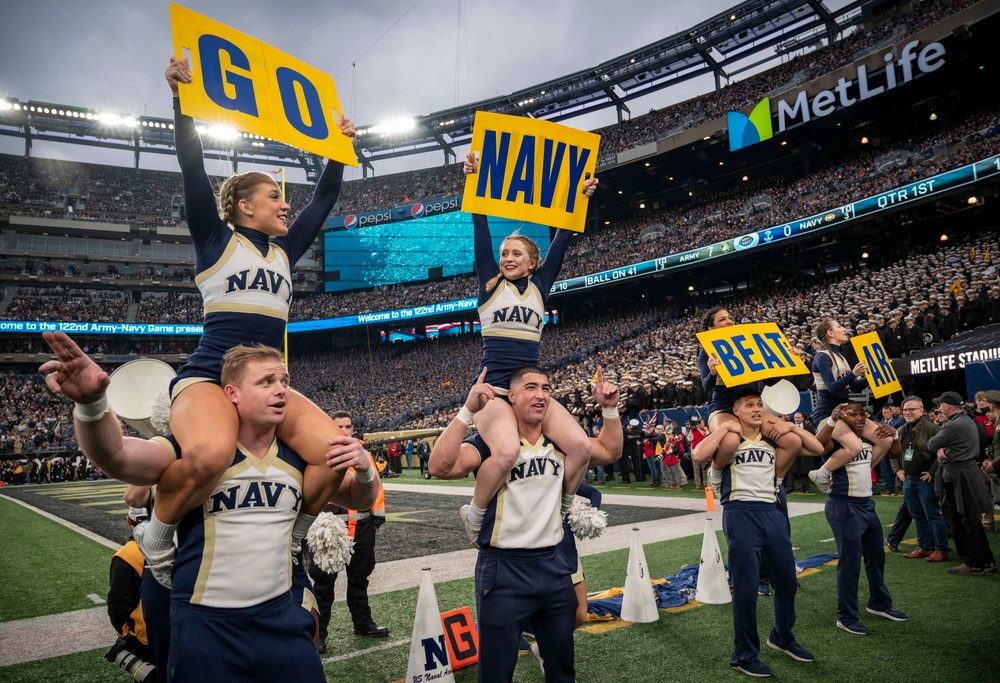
912	61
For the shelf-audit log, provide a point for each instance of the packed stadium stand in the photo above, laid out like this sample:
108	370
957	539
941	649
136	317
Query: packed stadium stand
108	244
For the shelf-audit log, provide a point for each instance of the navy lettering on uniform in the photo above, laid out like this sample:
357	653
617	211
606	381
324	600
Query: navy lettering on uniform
272	491
287	80
252	498
865	454
244	101
515	315
534	468
224	500
754	456
263	280
254	494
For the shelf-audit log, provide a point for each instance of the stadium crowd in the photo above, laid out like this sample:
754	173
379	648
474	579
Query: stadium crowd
66	303
58	189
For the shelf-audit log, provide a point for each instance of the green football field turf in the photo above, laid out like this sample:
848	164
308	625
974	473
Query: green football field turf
46	568
949	637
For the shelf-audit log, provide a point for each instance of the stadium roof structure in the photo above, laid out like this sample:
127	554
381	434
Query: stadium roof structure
719	45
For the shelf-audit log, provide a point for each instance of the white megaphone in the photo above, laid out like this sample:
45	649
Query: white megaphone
133	389
781	398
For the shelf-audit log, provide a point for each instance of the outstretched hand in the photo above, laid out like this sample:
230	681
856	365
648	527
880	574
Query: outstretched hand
73	374
179	71
347	128
471	164
480	394
605	394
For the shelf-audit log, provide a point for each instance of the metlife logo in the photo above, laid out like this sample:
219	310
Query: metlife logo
758	126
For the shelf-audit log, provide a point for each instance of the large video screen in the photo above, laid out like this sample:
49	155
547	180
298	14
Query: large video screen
413	250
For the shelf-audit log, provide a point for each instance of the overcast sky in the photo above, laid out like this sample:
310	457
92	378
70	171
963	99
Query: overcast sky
110	54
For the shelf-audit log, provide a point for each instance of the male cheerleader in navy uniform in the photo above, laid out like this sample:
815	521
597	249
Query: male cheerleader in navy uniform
521	577
233	616
755	528
853	519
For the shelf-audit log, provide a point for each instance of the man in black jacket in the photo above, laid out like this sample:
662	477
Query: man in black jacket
957	447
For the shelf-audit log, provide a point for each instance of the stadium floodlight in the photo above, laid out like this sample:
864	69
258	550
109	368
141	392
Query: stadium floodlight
6	105
403	125
220	132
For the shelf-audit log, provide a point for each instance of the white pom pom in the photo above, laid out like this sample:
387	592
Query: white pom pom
586	521
330	545
159	413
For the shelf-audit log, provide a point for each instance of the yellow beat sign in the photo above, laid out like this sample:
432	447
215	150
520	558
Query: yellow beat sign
750	353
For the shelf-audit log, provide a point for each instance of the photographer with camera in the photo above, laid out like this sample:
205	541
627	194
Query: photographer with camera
131	649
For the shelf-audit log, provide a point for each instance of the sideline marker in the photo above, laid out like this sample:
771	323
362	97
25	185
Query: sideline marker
638	598
428	650
713	587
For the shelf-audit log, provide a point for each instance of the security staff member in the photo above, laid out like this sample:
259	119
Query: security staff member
124	605
361	526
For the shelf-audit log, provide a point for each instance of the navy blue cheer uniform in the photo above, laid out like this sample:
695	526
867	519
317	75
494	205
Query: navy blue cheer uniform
245	278
834	382
512	314
720	396
756	529
521	576
233	614
857	529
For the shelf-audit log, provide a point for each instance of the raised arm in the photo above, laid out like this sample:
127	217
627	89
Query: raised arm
78	378
452	458
303	230
203	220
609	443
549	270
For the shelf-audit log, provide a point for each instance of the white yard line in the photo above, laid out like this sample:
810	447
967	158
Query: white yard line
69	525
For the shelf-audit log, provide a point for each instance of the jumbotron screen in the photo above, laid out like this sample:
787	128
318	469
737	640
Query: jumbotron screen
412	250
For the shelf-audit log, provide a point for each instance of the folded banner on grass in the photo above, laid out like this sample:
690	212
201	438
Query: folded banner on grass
672	591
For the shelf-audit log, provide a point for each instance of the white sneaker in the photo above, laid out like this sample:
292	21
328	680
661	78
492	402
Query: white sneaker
538	657
471	531
160	565
823	480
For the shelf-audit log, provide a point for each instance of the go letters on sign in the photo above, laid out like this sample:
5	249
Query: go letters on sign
881	377
241	82
749	353
530	171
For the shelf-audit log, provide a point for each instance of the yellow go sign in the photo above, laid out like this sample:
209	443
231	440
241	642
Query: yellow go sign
242	82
